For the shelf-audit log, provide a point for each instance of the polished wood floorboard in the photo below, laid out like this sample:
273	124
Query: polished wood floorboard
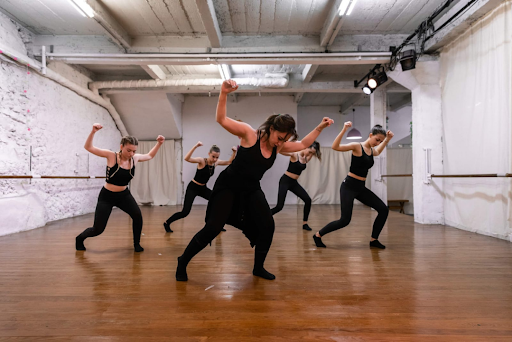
432	283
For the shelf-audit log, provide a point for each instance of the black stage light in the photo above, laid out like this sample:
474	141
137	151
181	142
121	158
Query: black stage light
408	60
377	79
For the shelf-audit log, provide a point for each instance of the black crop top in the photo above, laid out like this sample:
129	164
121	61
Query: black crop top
203	175
116	175
360	165
296	167
250	164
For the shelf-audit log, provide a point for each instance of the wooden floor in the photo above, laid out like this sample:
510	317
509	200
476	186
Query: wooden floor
432	283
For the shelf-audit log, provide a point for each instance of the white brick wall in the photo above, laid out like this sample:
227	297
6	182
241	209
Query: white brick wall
56	122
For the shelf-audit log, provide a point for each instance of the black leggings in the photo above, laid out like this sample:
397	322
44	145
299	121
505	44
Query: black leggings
289	184
106	201
193	190
351	189
219	209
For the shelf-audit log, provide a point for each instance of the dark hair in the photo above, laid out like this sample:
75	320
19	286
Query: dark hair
377	129
281	123
316	146
214	148
128	139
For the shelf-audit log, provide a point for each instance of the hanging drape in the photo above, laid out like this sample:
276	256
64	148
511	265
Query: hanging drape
155	180
476	86
399	162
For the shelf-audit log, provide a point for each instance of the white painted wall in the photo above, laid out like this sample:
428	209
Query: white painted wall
199	124
310	116
400	123
55	122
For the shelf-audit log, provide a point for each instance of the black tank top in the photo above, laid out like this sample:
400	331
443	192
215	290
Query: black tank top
296	167
360	165
203	175
250	164
116	175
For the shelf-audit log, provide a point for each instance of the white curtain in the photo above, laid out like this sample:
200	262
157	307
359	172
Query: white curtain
399	162
477	120
155	180
322	180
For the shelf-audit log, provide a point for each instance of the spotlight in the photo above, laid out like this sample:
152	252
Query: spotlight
367	89
377	79
408	60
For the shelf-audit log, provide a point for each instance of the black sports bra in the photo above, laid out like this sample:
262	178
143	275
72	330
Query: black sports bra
360	165
296	167
116	175
203	175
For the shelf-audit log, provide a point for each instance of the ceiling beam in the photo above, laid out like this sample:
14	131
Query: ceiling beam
307	76
460	24
298	97
155	71
113	29
209	19
230	44
352	102
330	24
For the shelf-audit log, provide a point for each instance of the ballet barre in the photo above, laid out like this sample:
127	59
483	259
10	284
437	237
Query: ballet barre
50	177
405	175
482	175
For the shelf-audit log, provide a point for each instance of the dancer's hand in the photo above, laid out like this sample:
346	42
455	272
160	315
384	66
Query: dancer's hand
228	86
160	139
233	148
326	122
96	127
389	135
347	124
199	144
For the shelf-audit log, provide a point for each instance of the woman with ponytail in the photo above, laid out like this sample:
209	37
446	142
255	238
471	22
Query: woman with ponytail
115	192
237	198
288	181
353	186
197	186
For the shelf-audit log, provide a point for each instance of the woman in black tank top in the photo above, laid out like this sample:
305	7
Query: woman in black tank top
353	186
237	198
120	171
197	186
288	181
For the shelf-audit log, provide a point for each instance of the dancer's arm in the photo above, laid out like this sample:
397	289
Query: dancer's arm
378	150
296	146
94	150
188	156
228	162
234	127
148	156
346	147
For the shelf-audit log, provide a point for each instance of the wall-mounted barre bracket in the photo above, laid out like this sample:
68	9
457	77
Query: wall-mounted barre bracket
428	172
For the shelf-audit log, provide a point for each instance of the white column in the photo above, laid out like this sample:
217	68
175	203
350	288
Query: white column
427	133
378	117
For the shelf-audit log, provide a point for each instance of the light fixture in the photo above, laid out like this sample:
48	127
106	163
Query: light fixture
343	7
351	7
354	133
367	89
83	8
377	79
408	60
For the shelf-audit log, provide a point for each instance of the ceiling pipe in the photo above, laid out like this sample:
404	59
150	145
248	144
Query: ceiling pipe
269	81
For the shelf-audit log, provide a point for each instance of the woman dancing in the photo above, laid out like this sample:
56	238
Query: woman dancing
120	171
197	186
353	186
237	197
288	181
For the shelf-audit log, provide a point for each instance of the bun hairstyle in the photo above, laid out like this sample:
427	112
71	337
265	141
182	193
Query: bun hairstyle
214	148
377	129
316	146
128	139
281	123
